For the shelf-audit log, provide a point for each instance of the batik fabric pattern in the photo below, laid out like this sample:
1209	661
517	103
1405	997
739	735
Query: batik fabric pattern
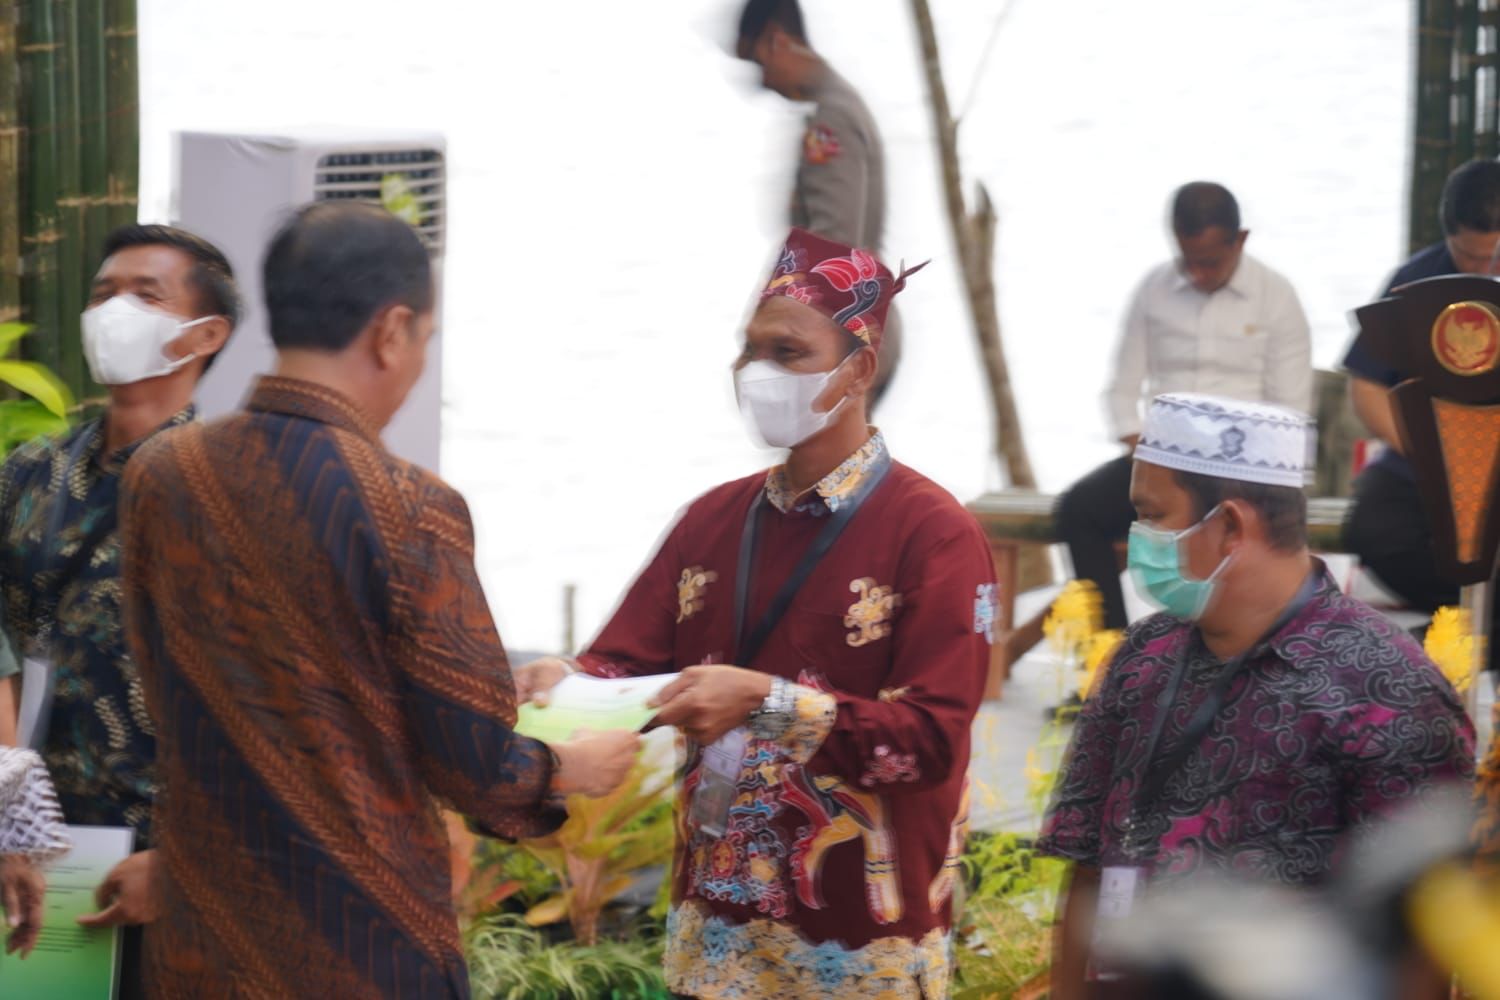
318	656
1338	719
833	875
101	746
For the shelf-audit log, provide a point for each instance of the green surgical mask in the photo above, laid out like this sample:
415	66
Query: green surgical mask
1157	566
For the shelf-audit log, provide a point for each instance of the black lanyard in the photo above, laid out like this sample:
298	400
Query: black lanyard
747	648
1156	775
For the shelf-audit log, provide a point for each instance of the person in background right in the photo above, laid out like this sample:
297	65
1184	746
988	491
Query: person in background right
1213	319
1257	723
1387	528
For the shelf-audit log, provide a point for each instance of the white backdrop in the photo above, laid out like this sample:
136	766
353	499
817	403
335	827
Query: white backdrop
617	188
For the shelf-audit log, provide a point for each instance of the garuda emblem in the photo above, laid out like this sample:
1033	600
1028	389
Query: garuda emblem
870	616
1466	338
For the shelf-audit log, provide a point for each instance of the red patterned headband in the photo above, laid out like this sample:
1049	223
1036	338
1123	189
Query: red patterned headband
846	284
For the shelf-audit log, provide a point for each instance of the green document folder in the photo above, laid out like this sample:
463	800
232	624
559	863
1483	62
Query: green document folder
70	961
592	703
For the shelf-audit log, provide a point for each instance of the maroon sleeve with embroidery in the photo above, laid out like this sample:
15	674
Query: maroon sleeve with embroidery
639	638
910	737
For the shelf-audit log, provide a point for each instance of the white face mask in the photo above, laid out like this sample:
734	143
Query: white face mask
778	404
125	340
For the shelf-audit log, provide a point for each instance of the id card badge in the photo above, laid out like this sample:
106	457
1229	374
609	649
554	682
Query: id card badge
1119	889
718	783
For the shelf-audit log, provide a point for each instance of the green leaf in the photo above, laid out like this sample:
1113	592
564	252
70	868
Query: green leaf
397	197
21	420
549	911
39	383
10	333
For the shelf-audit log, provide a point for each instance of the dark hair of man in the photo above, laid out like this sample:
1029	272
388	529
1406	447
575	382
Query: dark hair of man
333	265
758	15
212	278
1282	508
1471	198
1202	205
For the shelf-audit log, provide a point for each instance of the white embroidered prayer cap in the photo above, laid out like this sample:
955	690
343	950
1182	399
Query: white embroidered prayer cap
1228	439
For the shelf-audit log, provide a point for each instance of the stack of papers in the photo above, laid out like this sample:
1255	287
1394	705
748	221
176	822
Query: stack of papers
581	702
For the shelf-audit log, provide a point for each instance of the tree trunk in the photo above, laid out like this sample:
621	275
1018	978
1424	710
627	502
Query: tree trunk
974	238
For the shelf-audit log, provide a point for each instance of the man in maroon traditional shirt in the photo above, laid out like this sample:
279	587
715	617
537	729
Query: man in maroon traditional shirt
831	620
1258	721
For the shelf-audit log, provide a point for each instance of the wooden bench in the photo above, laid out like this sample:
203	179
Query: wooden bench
1013	519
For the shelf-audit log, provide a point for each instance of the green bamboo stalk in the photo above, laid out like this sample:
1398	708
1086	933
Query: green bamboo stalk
123	94
93	147
70	197
39	227
10	166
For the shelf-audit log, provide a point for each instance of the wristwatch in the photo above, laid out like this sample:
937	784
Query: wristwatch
775	714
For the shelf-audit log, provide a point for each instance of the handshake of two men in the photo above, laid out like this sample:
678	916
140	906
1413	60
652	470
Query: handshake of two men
703	702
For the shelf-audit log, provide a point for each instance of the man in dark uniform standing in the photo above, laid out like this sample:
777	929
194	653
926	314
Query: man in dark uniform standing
840	186
1387	527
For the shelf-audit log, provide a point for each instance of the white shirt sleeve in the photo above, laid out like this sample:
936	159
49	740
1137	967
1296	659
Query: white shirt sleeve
1122	400
1289	371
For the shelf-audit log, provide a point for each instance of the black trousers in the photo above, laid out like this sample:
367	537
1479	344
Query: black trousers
1389	531
1092	517
132	977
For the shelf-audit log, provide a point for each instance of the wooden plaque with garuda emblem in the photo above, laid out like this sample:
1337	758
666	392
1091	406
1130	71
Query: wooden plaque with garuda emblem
1443	336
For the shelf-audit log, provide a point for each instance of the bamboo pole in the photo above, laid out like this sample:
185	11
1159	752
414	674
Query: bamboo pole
70	197
93	119
123	91
10	166
39	235
974	237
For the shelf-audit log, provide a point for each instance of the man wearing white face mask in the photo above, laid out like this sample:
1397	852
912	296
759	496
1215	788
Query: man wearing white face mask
831	619
163	304
1263	716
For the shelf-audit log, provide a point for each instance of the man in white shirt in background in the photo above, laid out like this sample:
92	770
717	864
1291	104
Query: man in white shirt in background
1214	320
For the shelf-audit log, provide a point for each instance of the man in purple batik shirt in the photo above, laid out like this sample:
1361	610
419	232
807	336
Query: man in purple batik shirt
1263	715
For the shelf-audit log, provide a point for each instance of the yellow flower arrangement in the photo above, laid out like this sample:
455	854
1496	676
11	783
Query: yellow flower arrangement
1074	617
1099	652
1074	627
1450	644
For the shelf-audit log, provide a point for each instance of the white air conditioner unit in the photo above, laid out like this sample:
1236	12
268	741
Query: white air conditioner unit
235	189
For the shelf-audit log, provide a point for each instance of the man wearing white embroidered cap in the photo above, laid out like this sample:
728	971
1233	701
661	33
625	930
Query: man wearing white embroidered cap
1262	716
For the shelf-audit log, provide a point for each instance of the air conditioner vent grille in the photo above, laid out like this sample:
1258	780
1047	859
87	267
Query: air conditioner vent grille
359	176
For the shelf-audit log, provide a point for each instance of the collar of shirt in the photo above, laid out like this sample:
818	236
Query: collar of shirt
114	463
311	401
836	487
1239	282
1281	645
